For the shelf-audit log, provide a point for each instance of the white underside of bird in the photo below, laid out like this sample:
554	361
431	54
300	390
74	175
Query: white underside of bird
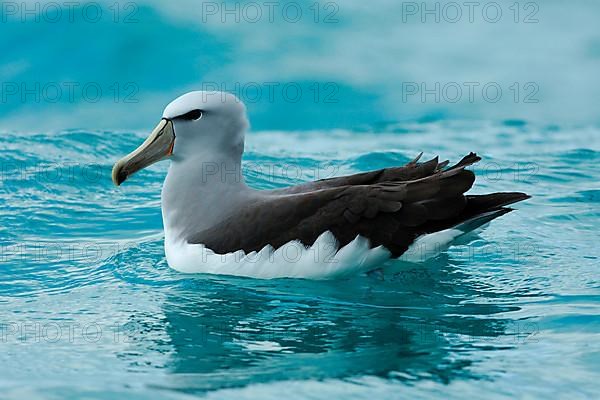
323	260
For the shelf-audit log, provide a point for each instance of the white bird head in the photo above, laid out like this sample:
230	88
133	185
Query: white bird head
193	127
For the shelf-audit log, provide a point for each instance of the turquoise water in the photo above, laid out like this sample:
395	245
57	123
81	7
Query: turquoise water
89	307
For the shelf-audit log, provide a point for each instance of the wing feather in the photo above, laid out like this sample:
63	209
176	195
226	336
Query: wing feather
388	212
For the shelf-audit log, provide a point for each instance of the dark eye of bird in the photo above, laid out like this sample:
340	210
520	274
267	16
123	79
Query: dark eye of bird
192	115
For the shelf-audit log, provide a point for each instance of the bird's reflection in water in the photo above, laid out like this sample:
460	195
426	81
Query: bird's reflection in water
421	323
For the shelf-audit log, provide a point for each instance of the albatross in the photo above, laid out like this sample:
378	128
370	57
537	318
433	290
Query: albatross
330	228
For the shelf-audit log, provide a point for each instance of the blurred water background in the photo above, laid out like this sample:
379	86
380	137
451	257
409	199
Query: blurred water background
88	305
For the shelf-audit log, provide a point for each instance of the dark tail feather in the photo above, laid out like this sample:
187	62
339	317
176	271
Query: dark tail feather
481	209
479	204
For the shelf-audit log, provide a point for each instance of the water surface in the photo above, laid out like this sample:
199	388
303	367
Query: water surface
89	307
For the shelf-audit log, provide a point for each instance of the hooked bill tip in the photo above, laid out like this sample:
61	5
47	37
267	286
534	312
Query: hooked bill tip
119	175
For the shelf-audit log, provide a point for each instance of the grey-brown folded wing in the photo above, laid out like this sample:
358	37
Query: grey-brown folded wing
411	171
392	214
